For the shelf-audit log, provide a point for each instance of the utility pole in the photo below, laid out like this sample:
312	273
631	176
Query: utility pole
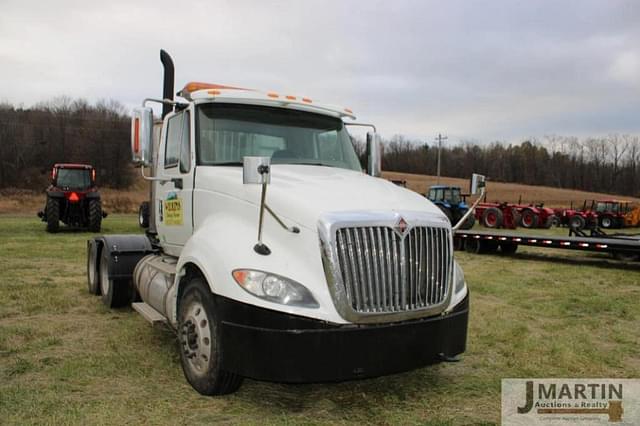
440	138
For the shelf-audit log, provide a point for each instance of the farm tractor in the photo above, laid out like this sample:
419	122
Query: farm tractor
615	214
73	198
576	219
453	204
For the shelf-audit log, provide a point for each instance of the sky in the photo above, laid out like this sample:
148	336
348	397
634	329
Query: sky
472	70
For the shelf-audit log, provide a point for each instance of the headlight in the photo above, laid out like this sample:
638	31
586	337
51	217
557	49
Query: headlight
274	288
460	283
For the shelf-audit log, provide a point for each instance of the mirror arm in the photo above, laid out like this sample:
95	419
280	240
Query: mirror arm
293	229
152	178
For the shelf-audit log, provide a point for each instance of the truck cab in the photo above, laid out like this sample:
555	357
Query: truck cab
272	254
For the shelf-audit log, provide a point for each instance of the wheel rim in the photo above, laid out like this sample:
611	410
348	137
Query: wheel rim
491	218
104	277
527	219
195	338
606	222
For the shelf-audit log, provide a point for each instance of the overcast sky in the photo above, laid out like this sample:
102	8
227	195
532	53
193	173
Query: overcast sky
485	70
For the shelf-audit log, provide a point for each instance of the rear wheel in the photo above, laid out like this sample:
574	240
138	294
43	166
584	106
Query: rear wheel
200	343
492	218
577	222
469	222
115	293
53	214
95	215
93	271
528	219
607	222
507	247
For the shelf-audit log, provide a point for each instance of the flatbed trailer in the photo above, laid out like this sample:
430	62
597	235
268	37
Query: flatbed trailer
621	246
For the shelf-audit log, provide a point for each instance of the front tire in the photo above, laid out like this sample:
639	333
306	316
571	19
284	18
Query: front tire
53	215
143	215
200	343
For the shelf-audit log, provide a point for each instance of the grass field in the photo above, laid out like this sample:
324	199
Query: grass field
65	358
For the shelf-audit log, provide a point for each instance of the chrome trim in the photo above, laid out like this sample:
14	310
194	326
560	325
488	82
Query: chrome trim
378	254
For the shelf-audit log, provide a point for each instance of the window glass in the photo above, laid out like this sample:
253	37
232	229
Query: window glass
227	133
172	148
185	150
73	178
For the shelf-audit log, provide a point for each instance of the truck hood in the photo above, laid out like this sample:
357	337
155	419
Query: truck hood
302	193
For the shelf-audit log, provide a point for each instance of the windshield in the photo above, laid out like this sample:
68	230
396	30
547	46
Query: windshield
228	132
73	178
452	195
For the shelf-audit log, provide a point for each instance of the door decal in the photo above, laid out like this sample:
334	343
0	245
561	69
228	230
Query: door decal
172	210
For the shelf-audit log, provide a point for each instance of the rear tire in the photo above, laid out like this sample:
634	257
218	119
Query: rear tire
93	271
492	218
528	219
115	293
508	247
468	224
95	215
607	222
576	222
200	343
447	213
53	214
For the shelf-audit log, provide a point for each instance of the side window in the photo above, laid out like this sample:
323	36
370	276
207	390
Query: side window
172	147
185	146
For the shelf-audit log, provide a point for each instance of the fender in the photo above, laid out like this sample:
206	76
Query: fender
124	253
92	195
55	194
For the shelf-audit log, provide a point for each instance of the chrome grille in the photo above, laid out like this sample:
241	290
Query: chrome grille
384	272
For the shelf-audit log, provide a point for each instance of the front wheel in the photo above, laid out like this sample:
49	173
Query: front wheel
200	343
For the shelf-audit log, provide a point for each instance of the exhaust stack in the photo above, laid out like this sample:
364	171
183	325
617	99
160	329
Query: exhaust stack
167	90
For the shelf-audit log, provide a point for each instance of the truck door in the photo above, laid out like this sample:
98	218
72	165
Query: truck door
174	197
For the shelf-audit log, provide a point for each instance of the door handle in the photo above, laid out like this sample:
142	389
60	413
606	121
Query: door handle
177	182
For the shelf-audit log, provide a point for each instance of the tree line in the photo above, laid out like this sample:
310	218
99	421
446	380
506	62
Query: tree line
73	130
64	130
608	164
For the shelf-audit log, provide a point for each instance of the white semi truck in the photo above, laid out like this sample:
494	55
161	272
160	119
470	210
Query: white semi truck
332	274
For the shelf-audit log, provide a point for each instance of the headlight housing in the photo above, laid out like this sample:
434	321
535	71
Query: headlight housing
274	288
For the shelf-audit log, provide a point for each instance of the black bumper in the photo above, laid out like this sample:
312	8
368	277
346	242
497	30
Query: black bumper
268	345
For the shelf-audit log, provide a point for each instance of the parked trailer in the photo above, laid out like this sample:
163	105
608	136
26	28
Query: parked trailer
622	247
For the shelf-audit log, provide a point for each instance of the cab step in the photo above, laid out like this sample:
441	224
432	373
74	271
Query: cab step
149	313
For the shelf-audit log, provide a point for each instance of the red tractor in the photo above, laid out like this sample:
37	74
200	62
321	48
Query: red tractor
73	198
497	215
611	213
576	219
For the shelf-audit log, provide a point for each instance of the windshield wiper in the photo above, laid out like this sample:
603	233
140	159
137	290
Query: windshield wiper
227	163
313	164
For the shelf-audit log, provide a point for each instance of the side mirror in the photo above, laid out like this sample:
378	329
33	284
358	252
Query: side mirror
255	170
477	183
141	136
374	154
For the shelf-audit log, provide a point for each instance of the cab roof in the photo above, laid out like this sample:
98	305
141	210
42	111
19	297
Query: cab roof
195	91
444	187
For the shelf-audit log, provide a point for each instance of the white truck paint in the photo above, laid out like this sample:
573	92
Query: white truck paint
368	285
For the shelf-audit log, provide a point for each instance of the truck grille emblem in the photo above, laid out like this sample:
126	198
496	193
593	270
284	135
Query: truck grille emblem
401	227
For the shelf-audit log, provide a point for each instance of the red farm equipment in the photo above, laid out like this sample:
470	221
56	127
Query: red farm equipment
536	216
497	215
73	198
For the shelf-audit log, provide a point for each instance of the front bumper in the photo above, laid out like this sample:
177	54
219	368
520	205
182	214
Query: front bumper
269	345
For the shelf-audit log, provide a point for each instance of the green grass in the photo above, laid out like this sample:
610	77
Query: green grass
65	358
